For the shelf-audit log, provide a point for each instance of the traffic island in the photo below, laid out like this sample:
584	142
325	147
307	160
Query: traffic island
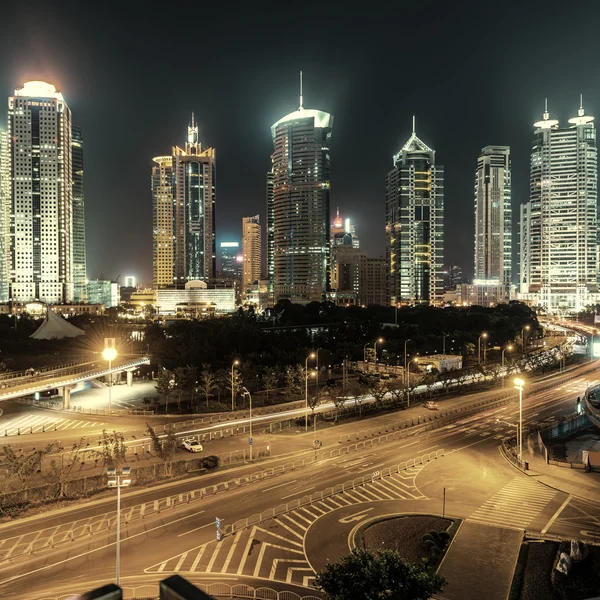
536	576
415	537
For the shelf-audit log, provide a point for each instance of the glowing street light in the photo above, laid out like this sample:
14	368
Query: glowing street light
311	355
235	364
415	360
109	354
118	480
526	328
509	348
484	336
519	385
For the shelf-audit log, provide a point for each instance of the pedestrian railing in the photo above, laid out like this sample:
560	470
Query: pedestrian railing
330	491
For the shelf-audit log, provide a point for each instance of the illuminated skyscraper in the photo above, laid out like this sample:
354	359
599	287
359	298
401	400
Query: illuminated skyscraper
299	210
251	251
184	195
415	226
4	216
270	232
39	123
79	258
231	260
559	223
493	218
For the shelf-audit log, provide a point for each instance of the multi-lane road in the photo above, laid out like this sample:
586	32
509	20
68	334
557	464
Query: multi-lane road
67	551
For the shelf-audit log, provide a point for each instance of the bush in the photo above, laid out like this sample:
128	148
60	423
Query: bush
426	537
429	545
210	462
444	536
435	536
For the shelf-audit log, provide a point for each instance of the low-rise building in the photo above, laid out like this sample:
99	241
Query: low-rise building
440	362
103	292
195	292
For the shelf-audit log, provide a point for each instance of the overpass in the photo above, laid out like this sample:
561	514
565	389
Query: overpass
65	378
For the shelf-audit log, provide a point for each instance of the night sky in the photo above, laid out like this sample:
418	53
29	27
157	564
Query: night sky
473	73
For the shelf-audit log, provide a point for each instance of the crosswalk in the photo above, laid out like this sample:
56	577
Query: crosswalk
274	549
516	505
41	423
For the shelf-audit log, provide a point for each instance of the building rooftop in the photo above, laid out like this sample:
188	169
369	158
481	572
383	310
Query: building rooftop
39	89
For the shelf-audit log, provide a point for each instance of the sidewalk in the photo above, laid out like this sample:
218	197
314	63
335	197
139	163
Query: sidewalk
576	482
480	562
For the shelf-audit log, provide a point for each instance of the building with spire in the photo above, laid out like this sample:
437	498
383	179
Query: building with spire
298	220
558	229
41	196
415	226
183	201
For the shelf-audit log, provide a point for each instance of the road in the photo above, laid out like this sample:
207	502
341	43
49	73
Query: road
479	485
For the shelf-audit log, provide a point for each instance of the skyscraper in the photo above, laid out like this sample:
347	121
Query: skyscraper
251	251
39	123
79	258
559	223
231	260
298	212
4	216
183	199
415	226
270	237
493	218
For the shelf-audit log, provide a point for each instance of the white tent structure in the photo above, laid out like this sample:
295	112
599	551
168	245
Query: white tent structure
55	327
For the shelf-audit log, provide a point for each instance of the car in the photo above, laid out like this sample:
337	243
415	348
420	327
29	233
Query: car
192	446
430	405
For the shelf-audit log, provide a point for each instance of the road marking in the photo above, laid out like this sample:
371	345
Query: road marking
296	493
555	515
198	558
359	516
231	551
246	551
280	485
280	522
427	449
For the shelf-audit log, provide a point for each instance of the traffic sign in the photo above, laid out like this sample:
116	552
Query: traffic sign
250	441
218	536
218	522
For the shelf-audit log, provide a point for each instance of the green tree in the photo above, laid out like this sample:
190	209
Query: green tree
112	449
291	381
377	576
163	448
61	468
377	389
185	383
165	384
208	382
270	381
234	383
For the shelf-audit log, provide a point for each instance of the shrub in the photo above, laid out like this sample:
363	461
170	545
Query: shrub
435	536
429	545
426	537
210	462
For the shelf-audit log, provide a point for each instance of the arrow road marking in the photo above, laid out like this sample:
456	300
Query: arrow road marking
356	516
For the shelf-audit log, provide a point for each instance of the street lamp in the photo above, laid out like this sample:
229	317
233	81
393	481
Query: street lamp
444	344
377	341
405	356
235	363
311	355
509	348
109	354
484	336
119	480
526	328
246	391
519	384
415	359
317	357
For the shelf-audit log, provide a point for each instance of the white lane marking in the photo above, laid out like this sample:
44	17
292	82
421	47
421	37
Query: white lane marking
280	485
555	515
299	492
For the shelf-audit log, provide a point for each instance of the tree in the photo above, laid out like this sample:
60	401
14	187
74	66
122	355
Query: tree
291	381
208	381
357	390
377	389
234	382
429	379
270	381
185	382
378	576
112	449
23	466
163	448
62	468
165	382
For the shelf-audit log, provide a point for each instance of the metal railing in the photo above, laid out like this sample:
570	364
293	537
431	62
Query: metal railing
330	491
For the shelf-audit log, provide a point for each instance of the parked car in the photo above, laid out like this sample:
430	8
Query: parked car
430	405
192	446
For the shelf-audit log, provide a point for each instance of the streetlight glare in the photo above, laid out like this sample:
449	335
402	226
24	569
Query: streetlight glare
509	347
312	355
519	382
236	362
380	340
109	354
484	334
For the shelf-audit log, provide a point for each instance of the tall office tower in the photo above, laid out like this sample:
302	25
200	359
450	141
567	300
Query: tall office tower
163	230
270	233
493	218
79	258
415	226
183	198
4	216
251	250
559	223
39	123
231	260
300	205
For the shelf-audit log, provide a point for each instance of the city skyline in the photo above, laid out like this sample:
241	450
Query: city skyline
235	102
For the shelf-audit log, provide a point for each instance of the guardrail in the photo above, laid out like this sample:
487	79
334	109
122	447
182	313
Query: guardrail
26	373
219	590
330	491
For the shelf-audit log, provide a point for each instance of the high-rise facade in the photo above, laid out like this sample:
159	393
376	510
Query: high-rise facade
298	212
493	218
41	227
184	198
415	226
79	258
270	233
251	251
231	260
558	227
5	188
